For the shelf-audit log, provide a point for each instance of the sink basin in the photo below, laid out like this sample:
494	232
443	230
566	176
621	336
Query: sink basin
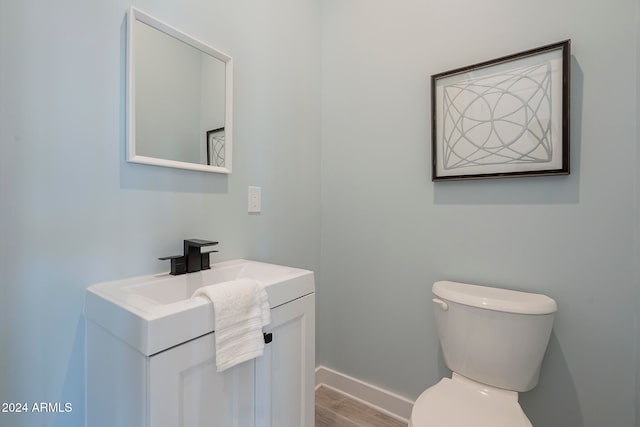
155	312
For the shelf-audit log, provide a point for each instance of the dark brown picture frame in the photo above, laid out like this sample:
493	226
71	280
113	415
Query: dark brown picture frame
507	117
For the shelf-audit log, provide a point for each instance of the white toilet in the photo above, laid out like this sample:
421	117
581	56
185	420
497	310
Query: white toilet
493	340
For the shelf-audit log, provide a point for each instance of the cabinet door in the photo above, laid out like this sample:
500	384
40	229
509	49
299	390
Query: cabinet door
285	374
186	390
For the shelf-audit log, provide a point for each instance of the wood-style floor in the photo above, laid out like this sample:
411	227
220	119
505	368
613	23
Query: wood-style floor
334	409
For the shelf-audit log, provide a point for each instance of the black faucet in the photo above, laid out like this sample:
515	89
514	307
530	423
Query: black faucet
193	259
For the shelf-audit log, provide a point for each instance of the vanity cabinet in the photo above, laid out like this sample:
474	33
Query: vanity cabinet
136	378
275	390
181	387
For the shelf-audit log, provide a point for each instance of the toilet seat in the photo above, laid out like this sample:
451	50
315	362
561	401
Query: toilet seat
461	402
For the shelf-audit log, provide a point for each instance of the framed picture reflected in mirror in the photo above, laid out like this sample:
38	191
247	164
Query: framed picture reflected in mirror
215	147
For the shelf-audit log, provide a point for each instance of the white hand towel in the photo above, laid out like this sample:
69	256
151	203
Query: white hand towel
241	310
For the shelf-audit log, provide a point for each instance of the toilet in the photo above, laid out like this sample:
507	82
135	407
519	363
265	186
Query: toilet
494	341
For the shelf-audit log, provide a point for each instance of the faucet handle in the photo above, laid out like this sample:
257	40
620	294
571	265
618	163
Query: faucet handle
205	261
178	264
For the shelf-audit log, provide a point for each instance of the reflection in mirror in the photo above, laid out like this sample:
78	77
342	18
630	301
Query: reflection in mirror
179	98
215	147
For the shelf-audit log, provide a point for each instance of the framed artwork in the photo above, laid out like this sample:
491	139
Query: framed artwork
215	147
503	118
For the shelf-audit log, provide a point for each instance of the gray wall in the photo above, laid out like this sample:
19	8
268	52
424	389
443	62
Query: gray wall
388	232
75	213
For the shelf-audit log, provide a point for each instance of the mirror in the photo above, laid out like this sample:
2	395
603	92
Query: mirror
179	98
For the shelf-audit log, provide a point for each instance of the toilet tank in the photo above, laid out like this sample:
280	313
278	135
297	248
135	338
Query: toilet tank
494	336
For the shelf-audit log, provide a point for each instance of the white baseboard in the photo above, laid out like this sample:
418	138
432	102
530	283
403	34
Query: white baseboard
384	401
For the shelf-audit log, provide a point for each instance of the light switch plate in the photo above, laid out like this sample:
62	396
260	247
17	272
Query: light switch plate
255	199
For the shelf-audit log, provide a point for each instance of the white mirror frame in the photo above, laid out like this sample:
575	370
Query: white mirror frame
137	15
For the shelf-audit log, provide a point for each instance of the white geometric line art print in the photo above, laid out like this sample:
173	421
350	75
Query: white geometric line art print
217	142
500	119
216	147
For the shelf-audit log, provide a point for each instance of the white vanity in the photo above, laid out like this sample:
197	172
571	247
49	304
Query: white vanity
150	353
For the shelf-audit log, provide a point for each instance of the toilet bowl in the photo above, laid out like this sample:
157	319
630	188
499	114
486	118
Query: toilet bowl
494	341
461	402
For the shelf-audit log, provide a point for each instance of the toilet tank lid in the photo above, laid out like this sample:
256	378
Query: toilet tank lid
494	298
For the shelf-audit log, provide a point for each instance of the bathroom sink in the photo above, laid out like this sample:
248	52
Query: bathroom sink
155	312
